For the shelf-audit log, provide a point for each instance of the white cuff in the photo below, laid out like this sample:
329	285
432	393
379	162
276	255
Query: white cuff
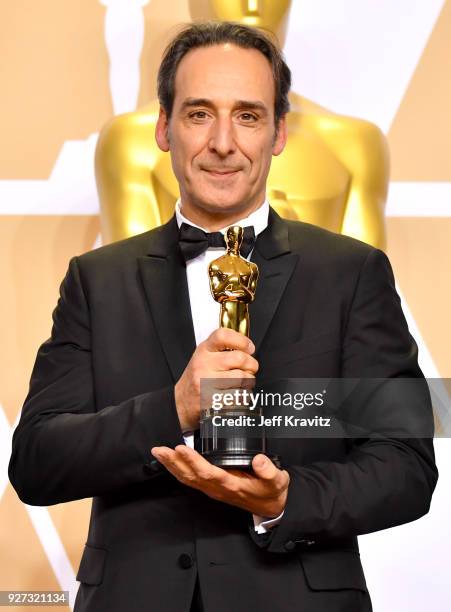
262	525
189	439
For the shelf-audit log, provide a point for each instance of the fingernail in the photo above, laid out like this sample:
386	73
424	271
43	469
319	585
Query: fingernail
260	461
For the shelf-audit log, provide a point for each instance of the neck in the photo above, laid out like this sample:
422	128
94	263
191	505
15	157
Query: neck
214	221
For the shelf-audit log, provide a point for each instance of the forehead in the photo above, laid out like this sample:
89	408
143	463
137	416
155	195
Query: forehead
224	72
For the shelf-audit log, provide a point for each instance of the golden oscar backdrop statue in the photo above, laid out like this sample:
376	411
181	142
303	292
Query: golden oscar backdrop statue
233	282
333	172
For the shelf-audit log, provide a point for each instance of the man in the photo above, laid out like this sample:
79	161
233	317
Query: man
114	395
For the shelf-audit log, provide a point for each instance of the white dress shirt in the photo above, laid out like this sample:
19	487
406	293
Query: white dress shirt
205	310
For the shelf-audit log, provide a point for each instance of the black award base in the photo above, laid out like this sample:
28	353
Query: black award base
237	461
232	445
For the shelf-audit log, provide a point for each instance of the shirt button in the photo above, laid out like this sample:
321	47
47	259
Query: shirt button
185	561
290	545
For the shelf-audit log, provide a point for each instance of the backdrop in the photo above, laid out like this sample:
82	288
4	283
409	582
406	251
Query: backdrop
66	67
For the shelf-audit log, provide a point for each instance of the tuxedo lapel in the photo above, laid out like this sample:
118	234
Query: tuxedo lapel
276	265
163	274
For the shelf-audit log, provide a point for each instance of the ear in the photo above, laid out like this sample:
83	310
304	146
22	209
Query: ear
281	137
161	130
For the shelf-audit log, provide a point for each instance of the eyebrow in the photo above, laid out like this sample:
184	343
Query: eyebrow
242	104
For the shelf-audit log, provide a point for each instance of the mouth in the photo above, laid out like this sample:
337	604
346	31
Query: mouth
221	173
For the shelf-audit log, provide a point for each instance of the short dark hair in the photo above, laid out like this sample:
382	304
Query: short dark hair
211	33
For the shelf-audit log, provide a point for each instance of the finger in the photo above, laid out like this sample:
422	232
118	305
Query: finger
234	374
164	455
160	452
174	464
205	470
229	379
265	469
190	468
213	481
235	360
224	338
248	383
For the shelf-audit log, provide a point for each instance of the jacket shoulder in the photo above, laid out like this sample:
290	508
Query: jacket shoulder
126	250
326	246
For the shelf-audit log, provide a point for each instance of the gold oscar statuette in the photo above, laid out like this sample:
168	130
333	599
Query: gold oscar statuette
231	435
233	282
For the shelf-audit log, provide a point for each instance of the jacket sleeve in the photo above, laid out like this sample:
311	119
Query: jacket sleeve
382	482
63	448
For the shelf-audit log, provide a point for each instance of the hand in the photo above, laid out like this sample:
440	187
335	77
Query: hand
263	492
211	360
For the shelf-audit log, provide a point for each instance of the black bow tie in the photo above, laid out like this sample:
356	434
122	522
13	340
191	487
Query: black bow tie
194	241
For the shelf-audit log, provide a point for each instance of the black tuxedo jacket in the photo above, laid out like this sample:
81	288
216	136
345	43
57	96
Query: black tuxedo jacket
102	394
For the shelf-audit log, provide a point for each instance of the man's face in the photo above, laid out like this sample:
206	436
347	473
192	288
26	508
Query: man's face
221	133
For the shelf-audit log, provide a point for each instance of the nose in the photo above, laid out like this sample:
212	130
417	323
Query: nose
222	137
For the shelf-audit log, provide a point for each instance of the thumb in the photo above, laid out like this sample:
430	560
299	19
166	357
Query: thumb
263	467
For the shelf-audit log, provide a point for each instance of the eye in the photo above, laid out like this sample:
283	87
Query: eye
199	115
248	117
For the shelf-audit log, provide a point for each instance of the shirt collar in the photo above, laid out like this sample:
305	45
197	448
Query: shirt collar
258	218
